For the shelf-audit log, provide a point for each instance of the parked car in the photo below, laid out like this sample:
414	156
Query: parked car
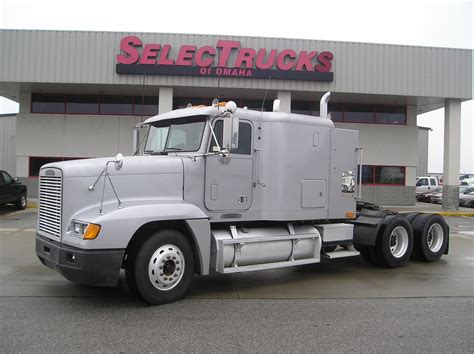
465	190
426	184
12	191
425	197
437	196
467	200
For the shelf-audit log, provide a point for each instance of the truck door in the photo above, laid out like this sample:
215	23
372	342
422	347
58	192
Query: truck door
229	180
422	185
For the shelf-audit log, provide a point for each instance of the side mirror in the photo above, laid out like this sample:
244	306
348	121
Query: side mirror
230	134
118	161
15	179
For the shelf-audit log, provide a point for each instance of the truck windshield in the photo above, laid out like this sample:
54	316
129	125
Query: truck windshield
182	134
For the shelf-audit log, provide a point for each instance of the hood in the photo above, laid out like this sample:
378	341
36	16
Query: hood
132	165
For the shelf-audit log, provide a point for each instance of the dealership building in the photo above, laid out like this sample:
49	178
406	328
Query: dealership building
82	93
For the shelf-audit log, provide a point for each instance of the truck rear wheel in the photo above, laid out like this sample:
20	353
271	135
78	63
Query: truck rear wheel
430	237
161	269
394	245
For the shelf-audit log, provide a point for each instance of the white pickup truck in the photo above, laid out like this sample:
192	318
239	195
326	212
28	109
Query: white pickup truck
426	184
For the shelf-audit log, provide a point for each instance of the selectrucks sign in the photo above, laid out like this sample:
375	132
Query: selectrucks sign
137	57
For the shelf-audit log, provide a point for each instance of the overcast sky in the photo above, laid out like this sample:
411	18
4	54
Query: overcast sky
426	23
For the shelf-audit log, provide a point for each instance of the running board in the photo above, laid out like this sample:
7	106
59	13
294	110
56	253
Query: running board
250	268
341	252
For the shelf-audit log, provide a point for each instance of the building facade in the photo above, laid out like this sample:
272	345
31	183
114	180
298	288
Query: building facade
81	93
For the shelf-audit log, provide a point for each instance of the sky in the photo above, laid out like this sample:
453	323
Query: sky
424	23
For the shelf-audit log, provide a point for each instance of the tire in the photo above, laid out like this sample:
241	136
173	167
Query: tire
411	217
394	245
161	269
430	234
22	202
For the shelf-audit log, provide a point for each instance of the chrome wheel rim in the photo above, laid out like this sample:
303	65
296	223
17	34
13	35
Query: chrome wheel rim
435	237
398	242
166	267
23	201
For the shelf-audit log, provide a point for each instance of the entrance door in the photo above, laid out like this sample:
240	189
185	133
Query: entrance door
229	179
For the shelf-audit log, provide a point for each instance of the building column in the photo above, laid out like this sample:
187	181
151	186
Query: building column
166	100
452	153
285	101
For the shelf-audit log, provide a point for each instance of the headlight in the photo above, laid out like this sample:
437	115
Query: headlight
84	230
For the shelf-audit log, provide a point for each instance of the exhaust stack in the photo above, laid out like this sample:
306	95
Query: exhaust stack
323	106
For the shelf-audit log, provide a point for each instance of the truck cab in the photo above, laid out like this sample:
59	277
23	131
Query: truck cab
216	189
426	184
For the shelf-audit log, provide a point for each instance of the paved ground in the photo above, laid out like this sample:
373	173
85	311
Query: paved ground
342	305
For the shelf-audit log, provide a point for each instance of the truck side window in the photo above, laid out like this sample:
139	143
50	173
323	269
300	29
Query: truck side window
422	182
245	138
433	181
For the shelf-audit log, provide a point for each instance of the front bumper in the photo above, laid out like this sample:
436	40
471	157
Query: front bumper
89	267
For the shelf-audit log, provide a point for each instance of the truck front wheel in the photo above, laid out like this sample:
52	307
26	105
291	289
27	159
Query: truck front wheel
161	269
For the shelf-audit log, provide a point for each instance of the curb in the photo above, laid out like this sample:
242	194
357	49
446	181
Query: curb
32	205
455	213
442	213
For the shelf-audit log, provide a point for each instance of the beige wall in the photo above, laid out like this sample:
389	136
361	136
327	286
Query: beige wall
72	136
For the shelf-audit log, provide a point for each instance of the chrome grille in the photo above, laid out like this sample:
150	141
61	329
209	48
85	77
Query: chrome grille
50	197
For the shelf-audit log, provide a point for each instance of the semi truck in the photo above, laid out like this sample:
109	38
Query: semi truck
220	189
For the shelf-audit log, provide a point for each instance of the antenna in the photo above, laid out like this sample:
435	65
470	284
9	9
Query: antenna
266	91
143	96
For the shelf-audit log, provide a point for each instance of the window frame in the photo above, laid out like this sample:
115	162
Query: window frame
385	184
134	112
244	121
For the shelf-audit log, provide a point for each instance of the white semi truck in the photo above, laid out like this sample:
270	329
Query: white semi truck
220	189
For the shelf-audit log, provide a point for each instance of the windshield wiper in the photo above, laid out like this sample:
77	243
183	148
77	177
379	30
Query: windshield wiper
172	149
153	152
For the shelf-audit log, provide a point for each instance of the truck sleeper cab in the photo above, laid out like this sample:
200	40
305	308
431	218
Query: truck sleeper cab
222	189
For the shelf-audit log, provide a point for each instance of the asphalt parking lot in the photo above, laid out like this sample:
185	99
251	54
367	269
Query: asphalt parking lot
342	305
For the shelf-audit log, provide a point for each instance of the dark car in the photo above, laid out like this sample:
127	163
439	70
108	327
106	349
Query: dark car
426	196
12	191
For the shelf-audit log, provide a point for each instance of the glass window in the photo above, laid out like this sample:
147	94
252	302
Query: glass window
433	181
390	115
2	181
336	110
302	107
390	175
149	107
367	174
37	162
422	182
157	139
358	113
47	103
79	104
245	138
120	105
7	178
182	102
183	134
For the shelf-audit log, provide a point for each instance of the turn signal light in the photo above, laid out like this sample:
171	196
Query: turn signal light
350	215
91	232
